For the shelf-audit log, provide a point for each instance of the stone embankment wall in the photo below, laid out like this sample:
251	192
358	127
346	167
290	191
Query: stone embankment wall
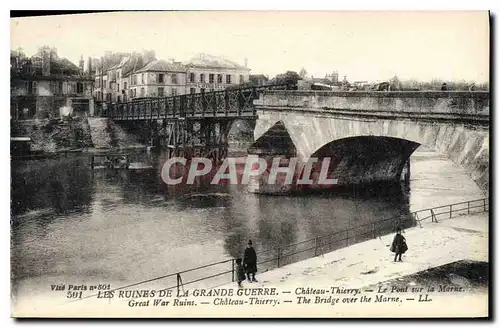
77	133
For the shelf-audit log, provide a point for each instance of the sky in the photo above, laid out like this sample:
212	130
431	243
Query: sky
369	46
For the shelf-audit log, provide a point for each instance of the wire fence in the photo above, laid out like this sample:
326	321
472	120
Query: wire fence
224	271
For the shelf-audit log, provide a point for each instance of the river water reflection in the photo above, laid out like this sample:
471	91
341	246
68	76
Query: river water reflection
70	223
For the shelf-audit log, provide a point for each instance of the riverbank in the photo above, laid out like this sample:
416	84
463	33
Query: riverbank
443	274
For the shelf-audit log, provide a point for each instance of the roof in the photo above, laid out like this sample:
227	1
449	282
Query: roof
123	61
162	66
209	61
62	64
321	80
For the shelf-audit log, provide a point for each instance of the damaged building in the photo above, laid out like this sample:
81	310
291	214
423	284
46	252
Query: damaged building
48	86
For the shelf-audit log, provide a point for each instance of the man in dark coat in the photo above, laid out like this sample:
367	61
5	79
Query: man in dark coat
250	262
399	245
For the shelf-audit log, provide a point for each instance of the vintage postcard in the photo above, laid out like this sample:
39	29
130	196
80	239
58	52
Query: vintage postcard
319	164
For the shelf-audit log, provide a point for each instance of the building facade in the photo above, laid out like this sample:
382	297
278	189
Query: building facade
207	73
112	79
158	78
45	85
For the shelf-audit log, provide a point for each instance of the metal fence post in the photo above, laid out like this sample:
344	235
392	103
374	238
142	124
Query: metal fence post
232	270
178	283
279	254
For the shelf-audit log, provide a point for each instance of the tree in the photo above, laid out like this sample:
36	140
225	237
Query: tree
290	78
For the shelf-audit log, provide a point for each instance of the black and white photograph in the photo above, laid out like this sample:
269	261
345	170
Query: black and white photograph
250	164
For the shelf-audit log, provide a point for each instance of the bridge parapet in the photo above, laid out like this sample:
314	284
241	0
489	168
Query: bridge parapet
475	103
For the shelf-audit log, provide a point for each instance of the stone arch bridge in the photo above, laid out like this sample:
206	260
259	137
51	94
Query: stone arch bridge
370	136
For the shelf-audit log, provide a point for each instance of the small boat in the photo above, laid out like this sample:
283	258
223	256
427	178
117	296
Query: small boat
109	161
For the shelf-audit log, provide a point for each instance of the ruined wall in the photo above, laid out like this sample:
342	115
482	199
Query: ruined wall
52	136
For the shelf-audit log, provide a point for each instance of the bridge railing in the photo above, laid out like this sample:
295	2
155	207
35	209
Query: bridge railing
223	271
229	102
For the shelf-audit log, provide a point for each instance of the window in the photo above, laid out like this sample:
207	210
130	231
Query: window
118	74
192	90
118	99
228	79
98	83
174	91
161	78
110	83
131	93
219	78
174	78
134	80
202	90
118	87
211	78
202	78
142	78
60	87
142	91
34	87
192	77
242	80
161	92
52	86
135	93
79	87
124	85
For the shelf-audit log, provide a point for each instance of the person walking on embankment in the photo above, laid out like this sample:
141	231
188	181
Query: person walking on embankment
399	246
250	262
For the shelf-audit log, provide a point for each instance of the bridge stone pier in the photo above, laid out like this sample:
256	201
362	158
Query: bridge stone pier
368	136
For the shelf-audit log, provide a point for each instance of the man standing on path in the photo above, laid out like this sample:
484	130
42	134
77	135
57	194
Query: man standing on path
399	245
250	262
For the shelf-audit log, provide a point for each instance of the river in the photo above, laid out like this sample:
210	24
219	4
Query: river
71	224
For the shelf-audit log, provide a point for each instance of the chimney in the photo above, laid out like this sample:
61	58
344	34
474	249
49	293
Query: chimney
89	65
246	62
172	60
81	64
